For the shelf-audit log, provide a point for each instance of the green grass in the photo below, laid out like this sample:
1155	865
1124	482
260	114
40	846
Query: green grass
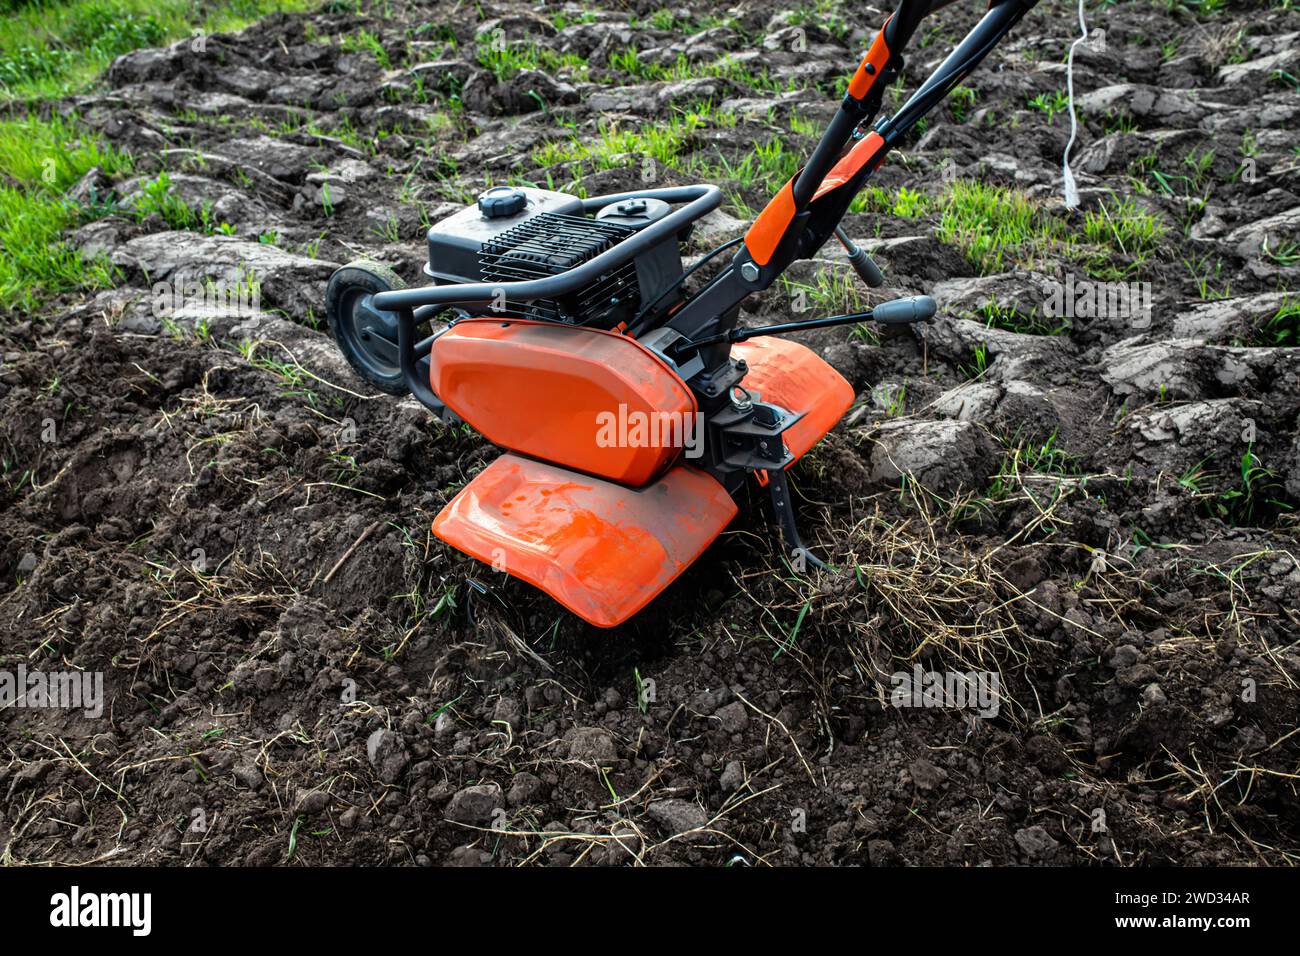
665	144
1192	184
960	102
628	62
1121	229
1201	8
767	167
831	290
294	380
1281	330
1288	80
1256	493
803	126
157	199
1208	278
667	20
365	41
979	363
616	145
1284	252
50	48
39	161
506	60
821	14
903	204
1000	228
1051	103
1118	121
996	317
995	226
1023	456
562	20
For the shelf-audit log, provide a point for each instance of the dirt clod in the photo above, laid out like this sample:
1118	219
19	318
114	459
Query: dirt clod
677	816
476	804
387	754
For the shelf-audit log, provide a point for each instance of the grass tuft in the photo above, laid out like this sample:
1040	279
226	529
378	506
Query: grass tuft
995	226
39	161
1281	330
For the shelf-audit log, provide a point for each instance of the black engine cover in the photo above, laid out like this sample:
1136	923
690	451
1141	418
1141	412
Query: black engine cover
498	242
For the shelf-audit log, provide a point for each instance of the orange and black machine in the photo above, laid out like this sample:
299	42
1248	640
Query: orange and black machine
631	413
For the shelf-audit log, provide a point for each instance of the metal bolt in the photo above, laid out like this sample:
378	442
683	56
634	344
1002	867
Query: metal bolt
749	272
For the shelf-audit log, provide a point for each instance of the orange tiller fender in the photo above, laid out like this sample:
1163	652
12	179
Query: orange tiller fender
586	399
795	377
602	550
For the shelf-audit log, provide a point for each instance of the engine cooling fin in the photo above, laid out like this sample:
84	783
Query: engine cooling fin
549	244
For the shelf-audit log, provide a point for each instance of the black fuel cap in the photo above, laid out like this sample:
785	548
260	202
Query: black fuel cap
637	212
502	201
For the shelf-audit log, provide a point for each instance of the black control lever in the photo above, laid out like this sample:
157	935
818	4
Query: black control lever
862	263
914	308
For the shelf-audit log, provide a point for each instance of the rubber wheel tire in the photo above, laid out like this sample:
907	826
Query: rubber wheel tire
351	324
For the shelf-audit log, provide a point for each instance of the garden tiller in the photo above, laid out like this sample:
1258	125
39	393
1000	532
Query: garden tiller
630	412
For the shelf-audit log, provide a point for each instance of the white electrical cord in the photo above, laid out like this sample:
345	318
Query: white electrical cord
1067	176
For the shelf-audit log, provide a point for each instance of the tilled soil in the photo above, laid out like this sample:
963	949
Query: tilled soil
216	515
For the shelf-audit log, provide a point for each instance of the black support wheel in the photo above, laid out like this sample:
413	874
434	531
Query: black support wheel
366	336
